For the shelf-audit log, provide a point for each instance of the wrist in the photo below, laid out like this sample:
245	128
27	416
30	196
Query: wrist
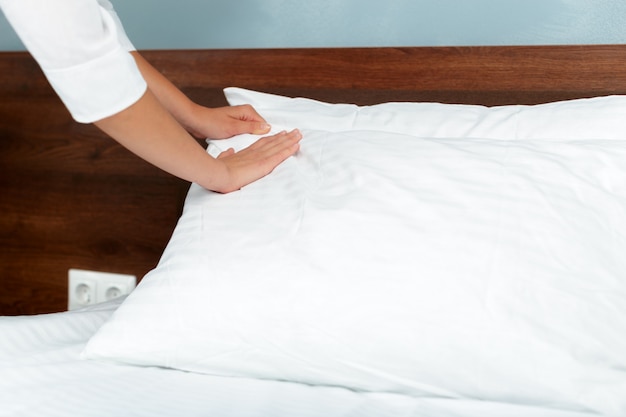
188	117
218	178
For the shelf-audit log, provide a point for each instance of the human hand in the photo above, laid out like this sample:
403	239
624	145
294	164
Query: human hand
147	129
257	160
225	122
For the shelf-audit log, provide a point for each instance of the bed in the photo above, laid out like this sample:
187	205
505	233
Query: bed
448	242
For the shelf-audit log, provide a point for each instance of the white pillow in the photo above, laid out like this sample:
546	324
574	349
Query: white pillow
463	268
599	117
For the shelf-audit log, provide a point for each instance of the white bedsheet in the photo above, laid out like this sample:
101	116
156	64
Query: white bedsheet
41	375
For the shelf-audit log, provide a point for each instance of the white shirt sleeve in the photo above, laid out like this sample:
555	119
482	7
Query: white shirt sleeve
84	52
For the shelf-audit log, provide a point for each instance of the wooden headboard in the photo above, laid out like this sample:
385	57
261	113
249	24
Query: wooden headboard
72	198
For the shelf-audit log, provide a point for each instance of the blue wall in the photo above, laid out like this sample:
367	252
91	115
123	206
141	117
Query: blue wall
160	24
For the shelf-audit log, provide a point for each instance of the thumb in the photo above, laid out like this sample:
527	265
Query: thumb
253	127
226	153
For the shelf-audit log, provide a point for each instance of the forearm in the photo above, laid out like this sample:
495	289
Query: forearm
170	96
200	121
149	130
156	128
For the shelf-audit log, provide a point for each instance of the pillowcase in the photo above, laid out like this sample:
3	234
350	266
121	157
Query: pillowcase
445	267
598	117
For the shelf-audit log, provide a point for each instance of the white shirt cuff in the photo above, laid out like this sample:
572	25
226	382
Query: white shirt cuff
99	88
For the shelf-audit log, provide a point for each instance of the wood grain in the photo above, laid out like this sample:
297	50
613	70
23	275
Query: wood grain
72	198
477	75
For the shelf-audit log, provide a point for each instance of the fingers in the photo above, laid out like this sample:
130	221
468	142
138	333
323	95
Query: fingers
249	126
259	159
259	128
228	152
279	146
247	113
250	120
270	145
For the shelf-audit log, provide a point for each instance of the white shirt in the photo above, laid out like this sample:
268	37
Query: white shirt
84	52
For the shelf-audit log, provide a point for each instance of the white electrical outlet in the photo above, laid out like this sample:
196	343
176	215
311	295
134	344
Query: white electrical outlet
91	287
